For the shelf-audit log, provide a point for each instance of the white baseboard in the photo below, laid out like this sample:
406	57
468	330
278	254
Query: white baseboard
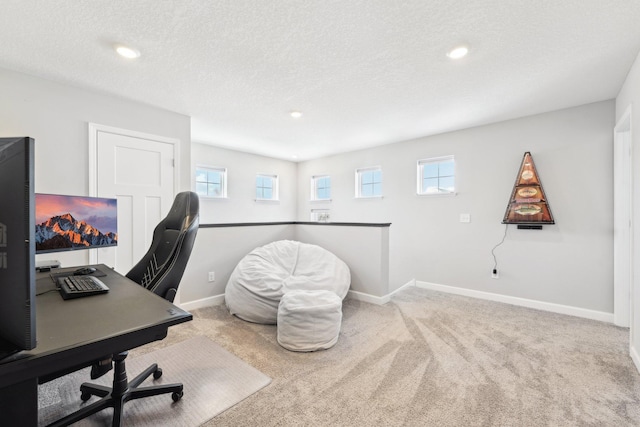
635	357
360	296
523	302
204	302
371	299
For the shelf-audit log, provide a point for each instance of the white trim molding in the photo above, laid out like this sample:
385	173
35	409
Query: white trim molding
622	220
522	302
635	357
200	303
372	299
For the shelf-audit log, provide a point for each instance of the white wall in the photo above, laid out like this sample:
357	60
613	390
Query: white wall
569	263
364	249
57	117
630	96
240	205
219	249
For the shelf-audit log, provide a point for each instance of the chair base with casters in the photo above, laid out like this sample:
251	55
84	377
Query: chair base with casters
121	391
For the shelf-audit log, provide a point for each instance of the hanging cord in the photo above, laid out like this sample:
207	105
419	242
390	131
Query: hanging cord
495	261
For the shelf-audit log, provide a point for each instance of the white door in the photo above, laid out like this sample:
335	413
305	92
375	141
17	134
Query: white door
139	170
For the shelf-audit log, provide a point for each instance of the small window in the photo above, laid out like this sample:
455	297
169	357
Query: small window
369	182
211	182
266	187
321	187
436	176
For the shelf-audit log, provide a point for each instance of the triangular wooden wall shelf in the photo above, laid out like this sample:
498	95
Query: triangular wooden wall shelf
528	204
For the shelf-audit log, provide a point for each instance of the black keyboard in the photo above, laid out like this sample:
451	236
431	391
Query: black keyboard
80	286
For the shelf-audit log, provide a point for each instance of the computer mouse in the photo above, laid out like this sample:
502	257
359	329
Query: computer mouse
84	271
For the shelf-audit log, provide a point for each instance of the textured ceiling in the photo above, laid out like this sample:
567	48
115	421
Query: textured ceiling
363	72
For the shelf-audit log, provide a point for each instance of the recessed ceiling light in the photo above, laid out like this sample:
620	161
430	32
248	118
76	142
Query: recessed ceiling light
127	52
295	114
294	157
458	52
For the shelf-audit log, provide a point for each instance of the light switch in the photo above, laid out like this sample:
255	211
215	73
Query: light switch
465	217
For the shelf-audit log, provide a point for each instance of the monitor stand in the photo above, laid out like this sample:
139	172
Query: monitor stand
47	265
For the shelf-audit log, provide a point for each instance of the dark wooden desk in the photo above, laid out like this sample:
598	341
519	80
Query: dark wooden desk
73	334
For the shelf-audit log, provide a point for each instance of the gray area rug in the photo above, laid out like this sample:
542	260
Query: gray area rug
434	359
214	380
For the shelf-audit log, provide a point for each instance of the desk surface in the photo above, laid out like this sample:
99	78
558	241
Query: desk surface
72	334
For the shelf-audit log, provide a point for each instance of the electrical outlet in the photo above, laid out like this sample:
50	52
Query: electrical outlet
212	276
494	274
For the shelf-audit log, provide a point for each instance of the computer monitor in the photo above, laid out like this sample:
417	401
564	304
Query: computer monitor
67	223
17	248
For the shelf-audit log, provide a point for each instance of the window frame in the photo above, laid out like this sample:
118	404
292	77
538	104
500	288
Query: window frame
420	189
315	179
358	182
275	190
224	175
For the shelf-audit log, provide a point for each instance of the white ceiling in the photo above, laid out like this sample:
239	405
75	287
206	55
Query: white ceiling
363	72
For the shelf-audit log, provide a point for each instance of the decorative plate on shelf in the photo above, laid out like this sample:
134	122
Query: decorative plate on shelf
527	175
527	210
527	192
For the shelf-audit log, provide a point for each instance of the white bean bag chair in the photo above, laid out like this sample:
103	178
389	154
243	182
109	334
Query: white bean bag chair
309	320
264	275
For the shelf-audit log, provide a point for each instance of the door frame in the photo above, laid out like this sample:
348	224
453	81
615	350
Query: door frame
623	223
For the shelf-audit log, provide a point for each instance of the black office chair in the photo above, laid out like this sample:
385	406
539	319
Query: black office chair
160	271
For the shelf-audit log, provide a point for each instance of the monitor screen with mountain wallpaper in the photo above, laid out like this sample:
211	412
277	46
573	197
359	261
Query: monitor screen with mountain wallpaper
66	223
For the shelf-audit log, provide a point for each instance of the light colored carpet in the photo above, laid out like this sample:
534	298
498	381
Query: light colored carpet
431	359
434	359
214	380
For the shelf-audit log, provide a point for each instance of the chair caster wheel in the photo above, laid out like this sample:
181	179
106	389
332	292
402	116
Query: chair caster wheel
85	396
177	395
157	374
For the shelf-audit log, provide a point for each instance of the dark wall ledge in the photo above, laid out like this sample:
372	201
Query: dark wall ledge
339	224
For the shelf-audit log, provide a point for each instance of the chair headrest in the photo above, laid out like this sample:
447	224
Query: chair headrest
183	211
